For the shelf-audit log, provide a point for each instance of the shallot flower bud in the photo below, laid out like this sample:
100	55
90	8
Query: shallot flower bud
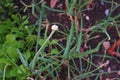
54	27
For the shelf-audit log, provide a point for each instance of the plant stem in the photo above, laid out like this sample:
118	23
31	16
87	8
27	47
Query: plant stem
4	71
39	51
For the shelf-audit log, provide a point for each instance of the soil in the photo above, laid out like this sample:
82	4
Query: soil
96	10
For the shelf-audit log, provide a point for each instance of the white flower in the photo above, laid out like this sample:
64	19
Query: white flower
54	27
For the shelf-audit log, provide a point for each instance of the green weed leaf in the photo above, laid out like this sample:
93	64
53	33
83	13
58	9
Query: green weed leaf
12	52
10	37
22	58
4	61
22	68
54	51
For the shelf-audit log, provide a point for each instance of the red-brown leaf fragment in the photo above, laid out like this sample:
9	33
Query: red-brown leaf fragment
111	50
53	3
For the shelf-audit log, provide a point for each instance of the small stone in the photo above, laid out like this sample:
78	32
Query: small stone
109	70
87	18
106	44
107	79
107	12
102	3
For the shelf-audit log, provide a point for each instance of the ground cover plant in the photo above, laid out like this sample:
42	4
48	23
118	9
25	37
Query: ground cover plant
60	40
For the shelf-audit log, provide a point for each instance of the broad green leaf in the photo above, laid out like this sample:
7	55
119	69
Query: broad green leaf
11	73
53	41
12	52
4	61
41	41
24	17
15	18
20	44
54	51
23	69
10	37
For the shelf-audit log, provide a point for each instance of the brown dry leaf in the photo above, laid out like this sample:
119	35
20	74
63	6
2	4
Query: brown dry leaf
111	50
118	42
52	3
107	79
105	64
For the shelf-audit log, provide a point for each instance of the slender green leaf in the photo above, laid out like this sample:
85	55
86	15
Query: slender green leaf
23	60
69	40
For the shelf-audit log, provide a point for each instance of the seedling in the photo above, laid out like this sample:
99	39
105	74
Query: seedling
33	63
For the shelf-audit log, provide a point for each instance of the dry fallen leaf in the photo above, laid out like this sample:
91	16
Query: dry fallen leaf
52	3
107	79
105	64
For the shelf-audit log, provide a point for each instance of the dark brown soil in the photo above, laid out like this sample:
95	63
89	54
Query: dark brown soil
96	11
